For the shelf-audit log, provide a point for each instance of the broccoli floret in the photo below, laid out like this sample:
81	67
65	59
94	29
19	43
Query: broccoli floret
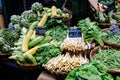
15	19
24	23
37	7
30	15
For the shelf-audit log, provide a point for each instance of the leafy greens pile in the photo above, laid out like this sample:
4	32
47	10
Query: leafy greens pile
91	31
45	54
58	30
90	71
111	37
7	39
109	58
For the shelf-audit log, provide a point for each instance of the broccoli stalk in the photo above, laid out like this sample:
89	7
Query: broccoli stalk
37	7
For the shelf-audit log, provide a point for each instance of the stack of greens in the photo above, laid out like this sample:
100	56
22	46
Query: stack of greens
115	38
44	54
90	71
58	30
7	39
91	31
109	58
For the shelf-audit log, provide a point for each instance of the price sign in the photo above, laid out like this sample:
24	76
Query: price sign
40	30
75	32
114	29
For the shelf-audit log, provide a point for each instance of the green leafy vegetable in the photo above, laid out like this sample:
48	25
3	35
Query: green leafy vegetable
91	31
109	58
90	71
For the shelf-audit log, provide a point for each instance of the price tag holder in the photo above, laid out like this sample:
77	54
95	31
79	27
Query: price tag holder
114	29
40	30
75	32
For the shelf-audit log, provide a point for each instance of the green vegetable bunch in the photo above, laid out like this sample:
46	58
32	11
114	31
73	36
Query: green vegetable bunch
90	71
29	15
7	39
109	58
45	54
115	38
24	23
37	7
91	31
57	29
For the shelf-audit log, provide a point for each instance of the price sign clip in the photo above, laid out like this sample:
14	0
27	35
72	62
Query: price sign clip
40	30
75	32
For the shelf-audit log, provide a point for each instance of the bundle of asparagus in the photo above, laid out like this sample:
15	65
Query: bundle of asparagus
64	62
76	44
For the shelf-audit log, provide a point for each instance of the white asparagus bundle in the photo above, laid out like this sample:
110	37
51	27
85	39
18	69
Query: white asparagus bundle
64	63
75	44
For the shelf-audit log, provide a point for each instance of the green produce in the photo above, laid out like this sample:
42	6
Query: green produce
101	16
90	71
47	39
2	42
6	48
30	58
117	78
24	23
37	7
33	25
29	15
106	2
7	39
45	53
36	41
109	58
115	38
20	58
112	20
15	19
57	29
91	31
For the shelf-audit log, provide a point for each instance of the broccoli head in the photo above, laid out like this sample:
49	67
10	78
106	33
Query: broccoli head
37	7
24	23
30	15
15	19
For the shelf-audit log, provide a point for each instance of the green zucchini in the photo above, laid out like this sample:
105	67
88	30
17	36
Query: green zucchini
35	41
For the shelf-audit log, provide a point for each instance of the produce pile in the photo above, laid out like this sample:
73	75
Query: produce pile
64	63
109	58
33	51
36	12
91	31
108	12
75	45
114	38
90	71
111	17
7	39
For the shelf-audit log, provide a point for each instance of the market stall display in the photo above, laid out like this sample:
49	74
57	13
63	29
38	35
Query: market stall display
41	39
